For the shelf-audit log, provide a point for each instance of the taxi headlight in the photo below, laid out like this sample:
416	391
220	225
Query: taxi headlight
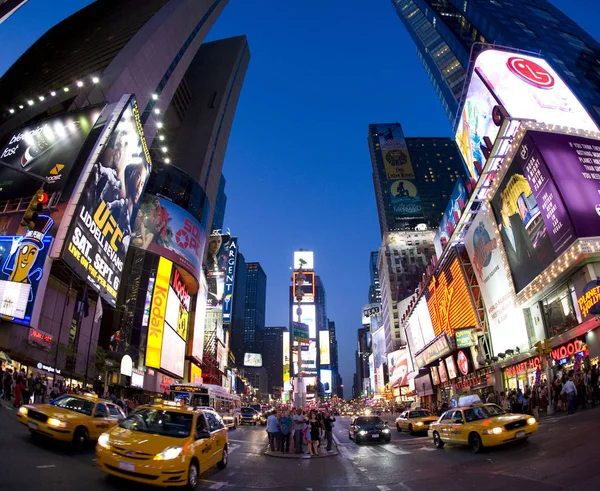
531	421
494	431
103	441
255	417
362	432
386	430
56	423
23	411
169	453
420	423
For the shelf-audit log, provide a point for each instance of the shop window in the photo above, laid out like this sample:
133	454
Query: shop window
559	312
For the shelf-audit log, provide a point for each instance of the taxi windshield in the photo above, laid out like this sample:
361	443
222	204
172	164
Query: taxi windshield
76	404
419	414
483	412
160	422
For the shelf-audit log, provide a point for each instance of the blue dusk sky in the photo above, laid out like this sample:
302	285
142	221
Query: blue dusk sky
297	167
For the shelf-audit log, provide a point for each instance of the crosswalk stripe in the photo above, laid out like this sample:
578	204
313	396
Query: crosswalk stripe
395	450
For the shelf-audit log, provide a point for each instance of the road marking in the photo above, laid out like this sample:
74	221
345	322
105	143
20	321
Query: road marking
362	469
45	466
428	449
383	487
218	485
233	446
394	450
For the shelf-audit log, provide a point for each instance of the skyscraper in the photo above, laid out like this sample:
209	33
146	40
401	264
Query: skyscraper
273	357
413	177
220	205
255	307
236	344
374	287
448	33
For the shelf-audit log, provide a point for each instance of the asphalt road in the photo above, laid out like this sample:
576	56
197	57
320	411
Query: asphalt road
562	456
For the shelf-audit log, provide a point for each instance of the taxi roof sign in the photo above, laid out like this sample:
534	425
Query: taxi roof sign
466	401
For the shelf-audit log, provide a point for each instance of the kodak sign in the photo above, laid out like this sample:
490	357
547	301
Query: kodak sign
158	309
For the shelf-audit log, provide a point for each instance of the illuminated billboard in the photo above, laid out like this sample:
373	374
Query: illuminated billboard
304	258
398	367
454	209
505	321
253	360
324	356
172	353
451	367
200	320
158	309
221	258
449	300
22	260
309	317
327	380
167	230
287	385
405	198
521	86
425	321
101	229
47	149
308	287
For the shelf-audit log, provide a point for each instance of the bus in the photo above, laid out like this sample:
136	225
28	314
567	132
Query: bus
209	396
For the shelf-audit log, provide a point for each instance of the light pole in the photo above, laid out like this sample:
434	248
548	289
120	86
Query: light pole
300	278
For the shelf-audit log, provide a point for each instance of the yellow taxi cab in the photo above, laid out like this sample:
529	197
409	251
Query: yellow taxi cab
71	418
415	421
481	425
166	444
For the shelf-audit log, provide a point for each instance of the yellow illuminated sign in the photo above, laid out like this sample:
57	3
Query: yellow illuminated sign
158	308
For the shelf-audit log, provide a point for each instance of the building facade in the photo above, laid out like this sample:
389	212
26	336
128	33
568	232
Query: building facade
403	258
412	177
448	33
374	287
255	307
273	358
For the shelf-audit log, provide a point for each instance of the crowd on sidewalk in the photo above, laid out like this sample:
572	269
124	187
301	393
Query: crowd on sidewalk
288	430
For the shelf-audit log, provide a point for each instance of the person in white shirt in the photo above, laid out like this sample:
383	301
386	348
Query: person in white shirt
571	391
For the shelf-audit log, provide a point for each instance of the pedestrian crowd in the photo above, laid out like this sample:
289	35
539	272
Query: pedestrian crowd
288	430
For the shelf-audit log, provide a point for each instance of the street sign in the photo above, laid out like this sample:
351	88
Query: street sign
300	332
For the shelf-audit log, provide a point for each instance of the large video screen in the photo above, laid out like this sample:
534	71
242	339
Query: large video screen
252	360
173	352
101	229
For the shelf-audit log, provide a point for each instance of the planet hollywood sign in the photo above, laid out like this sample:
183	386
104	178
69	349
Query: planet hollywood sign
565	351
477	378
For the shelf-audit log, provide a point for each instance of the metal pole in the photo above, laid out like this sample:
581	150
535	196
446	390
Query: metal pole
87	360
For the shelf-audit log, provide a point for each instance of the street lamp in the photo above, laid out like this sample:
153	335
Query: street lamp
300	279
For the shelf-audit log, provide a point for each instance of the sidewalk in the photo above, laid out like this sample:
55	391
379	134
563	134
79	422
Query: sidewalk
304	455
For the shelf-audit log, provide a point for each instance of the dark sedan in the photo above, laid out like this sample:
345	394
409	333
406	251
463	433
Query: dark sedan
369	429
249	416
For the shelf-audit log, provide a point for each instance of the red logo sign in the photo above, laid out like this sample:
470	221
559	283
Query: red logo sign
189	236
530	72
463	362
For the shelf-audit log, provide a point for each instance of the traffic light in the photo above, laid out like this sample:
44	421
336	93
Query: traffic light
35	205
540	348
547	347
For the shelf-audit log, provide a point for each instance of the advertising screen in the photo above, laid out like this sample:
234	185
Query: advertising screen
308	317
167	230
304	258
398	367
405	198
232	252
506	323
451	367
252	360
395	154
22	259
324	348
286	361
449	300
425	321
435	376
158	310
217	261
443	373
308	287
454	208
414	334
173	353
327	380
528	87
475	123
47	149
200	320
101	228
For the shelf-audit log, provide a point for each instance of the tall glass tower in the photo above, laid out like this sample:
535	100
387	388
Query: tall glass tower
448	33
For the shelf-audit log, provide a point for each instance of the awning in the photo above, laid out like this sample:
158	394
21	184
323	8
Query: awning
5	357
412	375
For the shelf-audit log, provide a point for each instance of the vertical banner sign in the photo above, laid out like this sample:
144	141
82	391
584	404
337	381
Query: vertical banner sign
101	228
158	309
229	279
